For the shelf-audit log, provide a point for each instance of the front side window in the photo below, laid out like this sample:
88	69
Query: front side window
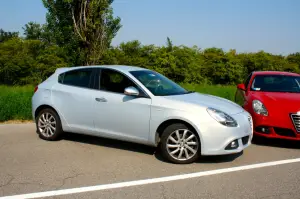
247	81
80	77
276	83
113	81
158	84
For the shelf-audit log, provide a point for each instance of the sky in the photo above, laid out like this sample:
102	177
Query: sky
244	25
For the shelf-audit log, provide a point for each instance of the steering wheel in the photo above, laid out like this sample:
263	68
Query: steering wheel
158	88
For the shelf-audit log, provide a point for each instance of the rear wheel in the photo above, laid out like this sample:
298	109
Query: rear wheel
48	125
180	144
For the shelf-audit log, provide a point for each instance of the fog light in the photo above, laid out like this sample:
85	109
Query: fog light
262	129
232	145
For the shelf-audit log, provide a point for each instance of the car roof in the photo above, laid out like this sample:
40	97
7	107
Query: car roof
275	73
121	68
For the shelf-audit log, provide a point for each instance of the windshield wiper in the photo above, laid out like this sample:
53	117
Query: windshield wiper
188	92
191	92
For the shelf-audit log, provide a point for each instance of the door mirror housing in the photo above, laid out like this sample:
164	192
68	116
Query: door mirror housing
131	91
241	87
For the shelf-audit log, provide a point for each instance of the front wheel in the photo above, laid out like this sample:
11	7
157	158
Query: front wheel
180	144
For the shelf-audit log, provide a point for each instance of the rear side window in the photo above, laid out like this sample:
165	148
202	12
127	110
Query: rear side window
80	78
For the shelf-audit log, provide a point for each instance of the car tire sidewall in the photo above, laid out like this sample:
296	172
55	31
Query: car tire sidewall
58	131
163	148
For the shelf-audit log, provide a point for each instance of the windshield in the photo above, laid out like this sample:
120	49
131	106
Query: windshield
276	83
158	84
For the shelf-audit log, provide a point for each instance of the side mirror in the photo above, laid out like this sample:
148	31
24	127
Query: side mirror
241	87
132	91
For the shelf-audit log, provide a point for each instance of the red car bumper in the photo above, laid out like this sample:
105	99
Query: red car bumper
275	127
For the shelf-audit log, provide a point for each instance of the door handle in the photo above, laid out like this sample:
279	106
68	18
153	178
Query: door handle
102	99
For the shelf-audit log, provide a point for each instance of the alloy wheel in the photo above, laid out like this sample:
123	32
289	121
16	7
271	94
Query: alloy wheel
47	124
182	144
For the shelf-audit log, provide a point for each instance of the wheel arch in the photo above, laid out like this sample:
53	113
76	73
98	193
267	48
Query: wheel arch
65	125
44	106
168	122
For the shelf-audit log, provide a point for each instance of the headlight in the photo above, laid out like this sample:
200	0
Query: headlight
222	117
259	108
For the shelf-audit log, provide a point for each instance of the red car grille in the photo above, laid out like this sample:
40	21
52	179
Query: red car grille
296	121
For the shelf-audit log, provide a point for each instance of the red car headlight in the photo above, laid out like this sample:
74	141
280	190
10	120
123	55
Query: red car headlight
259	108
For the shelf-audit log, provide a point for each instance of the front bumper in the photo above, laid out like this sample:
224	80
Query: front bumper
272	127
216	137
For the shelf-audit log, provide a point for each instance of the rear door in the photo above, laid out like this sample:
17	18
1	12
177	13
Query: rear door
73	98
118	115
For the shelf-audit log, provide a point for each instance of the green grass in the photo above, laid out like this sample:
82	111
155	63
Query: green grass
15	102
227	92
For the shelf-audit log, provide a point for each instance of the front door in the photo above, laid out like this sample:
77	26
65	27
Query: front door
241	95
118	115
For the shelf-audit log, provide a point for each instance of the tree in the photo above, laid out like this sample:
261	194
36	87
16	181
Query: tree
33	31
28	61
95	26
86	25
60	31
4	36
294	58
169	44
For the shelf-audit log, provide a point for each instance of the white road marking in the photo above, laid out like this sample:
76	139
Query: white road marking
149	181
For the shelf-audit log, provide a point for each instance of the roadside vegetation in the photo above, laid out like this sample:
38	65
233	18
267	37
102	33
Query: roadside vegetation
15	103
79	33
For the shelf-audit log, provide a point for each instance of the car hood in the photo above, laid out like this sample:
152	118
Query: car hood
206	100
286	101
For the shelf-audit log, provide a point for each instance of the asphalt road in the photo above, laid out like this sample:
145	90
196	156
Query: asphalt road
31	165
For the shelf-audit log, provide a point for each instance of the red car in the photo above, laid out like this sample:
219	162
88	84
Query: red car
273	100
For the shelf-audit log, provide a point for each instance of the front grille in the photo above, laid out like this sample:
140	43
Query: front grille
245	140
284	132
296	121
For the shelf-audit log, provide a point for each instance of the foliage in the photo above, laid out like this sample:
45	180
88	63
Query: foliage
33	31
28	61
95	26
79	32
59	30
85	28
4	36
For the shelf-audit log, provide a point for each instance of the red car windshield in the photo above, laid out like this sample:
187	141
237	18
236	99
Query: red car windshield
276	83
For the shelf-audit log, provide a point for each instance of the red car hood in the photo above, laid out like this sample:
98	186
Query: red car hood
287	102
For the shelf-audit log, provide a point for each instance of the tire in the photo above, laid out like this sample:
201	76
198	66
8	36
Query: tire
257	139
180	152
49	120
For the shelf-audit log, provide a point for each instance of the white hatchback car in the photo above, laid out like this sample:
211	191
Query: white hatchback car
142	106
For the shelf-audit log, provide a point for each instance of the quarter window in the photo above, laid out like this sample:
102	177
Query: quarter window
81	78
